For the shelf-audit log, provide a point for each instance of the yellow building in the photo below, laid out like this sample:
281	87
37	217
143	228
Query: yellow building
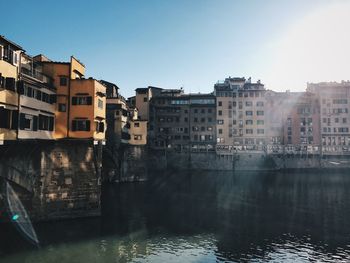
138	132
81	103
142	99
9	70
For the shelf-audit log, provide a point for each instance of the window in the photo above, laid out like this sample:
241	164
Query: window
219	103
220	112
5	115
220	131
82	100
195	120
261	131
210	119
63	81
100	126
80	125
248	103
100	103
10	84
202	119
145	99
209	128
260	122
260	113
249	131
220	122
137	124
202	110
259	103
249	122
46	123
196	111
249	113
202	128
186	119
28	122
62	107
209	110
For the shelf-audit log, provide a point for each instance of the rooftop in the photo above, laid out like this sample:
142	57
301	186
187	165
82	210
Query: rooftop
13	44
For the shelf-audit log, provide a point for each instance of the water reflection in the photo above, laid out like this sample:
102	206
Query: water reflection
204	217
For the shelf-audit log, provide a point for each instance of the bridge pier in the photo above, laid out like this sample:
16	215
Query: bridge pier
63	177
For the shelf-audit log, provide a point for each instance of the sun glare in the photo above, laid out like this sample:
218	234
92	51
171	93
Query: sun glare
314	49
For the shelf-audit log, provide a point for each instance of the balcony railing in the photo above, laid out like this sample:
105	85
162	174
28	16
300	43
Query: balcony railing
37	75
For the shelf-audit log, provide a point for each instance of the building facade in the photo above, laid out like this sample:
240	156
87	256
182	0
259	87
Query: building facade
123	122
182	121
81	103
241	118
37	101
334	115
10	54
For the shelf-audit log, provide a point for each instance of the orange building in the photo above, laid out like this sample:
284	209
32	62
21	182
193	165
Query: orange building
81	102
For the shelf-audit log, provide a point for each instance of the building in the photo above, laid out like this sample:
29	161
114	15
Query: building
142	99
10	54
81	103
182	121
123	123
37	101
334	115
301	122
241	118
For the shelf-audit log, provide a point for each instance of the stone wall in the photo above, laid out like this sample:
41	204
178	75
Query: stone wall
62	176
243	161
125	163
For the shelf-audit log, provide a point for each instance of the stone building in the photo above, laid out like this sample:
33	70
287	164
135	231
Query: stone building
182	121
334	115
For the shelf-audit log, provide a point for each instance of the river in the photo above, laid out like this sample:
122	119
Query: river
202	217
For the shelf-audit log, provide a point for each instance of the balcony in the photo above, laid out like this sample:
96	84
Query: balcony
37	75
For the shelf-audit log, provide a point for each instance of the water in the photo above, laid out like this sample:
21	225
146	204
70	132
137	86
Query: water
203	217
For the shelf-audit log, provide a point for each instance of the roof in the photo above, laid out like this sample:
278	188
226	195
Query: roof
109	83
11	43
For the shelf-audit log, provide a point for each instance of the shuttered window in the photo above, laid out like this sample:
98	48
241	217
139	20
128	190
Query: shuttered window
87	100
10	84
5	116
80	125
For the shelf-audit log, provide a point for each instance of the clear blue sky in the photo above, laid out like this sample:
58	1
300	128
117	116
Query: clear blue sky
190	43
